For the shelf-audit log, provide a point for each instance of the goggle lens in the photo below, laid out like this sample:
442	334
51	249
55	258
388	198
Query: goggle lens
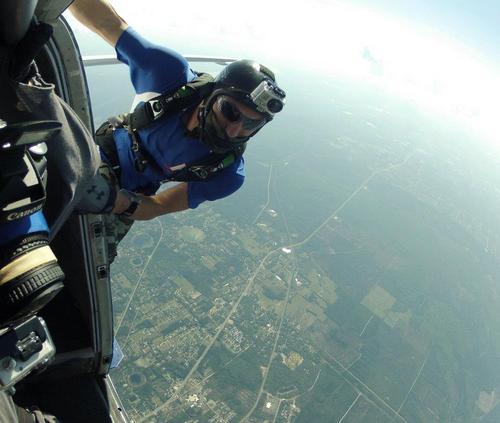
231	112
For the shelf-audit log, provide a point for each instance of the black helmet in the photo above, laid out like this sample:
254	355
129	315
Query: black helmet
250	83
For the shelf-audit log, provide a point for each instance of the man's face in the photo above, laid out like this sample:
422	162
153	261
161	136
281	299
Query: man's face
235	118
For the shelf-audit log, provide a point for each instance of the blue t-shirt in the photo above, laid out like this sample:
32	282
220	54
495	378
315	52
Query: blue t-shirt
156	70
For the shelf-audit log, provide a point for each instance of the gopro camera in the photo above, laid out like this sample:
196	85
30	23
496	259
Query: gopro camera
268	97
23	349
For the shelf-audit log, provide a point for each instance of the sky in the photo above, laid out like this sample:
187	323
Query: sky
441	54
469	22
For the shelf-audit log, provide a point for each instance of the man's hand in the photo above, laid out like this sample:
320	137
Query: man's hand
168	201
100	17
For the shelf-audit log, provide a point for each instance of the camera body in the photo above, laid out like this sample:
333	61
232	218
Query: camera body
29	273
268	97
18	201
24	348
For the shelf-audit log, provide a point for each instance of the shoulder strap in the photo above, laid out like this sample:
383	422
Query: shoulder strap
186	96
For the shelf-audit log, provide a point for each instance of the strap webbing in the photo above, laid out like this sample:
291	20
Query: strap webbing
183	98
187	96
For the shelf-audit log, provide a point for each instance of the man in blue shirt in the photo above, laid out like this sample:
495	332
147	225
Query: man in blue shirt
245	97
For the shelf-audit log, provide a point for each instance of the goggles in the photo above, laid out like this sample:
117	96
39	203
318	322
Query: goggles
233	114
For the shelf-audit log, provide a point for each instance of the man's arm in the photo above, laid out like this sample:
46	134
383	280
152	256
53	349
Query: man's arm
168	201
100	17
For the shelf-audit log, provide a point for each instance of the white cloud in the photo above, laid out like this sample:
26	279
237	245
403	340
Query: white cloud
415	62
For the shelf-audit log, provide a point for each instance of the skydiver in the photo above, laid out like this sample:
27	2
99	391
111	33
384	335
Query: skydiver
201	145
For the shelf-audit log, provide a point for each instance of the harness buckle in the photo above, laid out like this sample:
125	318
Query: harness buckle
135	142
116	121
200	171
140	161
156	108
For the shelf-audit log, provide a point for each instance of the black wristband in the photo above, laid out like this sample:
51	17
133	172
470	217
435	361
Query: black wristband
130	209
135	200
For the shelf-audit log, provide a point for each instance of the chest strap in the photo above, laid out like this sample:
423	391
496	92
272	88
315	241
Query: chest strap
201	170
198	170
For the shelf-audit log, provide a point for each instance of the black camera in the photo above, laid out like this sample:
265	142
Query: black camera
29	273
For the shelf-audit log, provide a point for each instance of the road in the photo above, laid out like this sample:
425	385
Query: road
268	195
221	327
271	356
140	278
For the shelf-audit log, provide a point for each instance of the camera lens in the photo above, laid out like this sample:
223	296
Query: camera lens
29	273
274	106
